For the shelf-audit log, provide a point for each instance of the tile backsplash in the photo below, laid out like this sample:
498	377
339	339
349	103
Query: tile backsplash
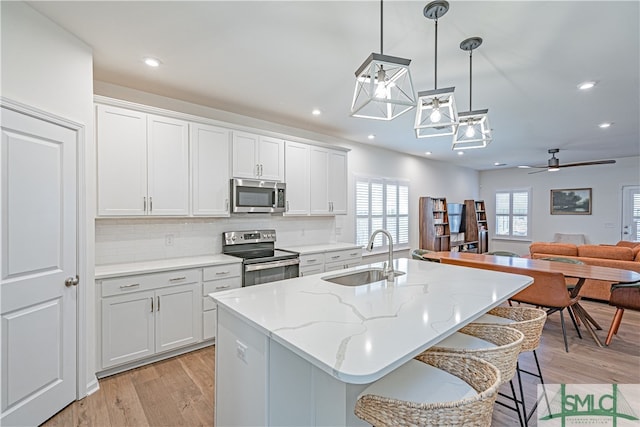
146	239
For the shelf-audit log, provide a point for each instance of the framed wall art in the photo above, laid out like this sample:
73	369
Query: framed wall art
574	201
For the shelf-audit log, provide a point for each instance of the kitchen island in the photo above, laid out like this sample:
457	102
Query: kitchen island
299	351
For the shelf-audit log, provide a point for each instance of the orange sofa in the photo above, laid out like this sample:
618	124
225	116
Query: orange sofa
624	255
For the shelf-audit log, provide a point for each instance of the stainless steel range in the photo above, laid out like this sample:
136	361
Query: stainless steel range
261	261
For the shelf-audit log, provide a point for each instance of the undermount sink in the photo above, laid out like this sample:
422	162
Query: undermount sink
361	277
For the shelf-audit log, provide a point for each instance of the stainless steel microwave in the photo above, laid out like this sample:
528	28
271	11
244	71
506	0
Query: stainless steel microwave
257	196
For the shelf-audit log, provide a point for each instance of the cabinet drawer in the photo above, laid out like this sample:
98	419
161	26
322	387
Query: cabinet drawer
140	282
311	259
344	255
222	271
221	285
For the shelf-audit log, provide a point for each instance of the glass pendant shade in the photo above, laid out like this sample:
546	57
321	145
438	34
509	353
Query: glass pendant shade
436	113
383	89
473	131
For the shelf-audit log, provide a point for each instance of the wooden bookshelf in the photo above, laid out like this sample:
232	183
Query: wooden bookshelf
434	224
475	224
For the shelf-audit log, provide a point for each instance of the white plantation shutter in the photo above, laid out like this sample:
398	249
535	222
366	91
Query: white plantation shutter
382	203
636	215
513	209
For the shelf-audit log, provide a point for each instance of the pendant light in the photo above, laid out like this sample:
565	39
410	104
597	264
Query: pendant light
436	114
384	89
473	130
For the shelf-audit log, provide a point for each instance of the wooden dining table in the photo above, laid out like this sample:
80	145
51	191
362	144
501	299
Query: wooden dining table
582	272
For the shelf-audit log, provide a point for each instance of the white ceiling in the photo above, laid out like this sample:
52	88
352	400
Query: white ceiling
278	61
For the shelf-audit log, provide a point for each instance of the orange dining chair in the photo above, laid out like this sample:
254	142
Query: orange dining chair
622	297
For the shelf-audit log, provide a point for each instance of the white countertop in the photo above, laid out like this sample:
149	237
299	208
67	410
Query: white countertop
116	270
323	247
359	334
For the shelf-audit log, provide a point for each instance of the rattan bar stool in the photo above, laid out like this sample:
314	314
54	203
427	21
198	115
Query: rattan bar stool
435	389
530	321
497	344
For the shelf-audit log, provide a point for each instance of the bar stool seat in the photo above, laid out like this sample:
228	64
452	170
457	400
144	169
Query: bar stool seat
433	389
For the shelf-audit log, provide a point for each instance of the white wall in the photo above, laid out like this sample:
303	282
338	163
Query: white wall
45	67
145	238
602	226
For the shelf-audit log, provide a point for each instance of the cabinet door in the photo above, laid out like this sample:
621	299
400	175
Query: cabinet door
178	316
297	178
168	164
318	181
245	155
127	328
121	138
338	182
210	161
271	158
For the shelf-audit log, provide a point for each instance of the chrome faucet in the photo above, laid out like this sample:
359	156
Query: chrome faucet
388	268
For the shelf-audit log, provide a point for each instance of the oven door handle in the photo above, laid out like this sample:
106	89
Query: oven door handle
271	264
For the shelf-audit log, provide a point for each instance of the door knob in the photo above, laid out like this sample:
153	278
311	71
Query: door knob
71	281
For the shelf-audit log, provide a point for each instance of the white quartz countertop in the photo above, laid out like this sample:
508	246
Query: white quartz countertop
359	334
319	248
116	270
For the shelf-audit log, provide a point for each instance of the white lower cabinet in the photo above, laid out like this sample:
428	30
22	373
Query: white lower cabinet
147	314
339	260
216	279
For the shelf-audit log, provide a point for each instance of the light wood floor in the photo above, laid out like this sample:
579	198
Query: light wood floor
179	391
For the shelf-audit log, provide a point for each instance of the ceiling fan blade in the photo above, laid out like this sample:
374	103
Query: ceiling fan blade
596	162
543	170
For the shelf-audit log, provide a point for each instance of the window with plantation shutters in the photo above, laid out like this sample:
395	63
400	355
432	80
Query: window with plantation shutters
382	203
513	210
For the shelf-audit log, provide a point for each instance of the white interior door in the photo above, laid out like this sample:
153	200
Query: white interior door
38	227
631	212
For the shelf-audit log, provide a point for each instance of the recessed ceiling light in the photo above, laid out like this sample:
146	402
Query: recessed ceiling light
371	136
499	164
152	62
316	112
524	167
586	85
428	153
460	153
605	125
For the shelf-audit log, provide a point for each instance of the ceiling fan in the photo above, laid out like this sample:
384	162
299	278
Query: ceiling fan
553	164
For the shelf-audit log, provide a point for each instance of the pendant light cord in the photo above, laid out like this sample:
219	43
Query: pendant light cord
381	25
436	61
470	77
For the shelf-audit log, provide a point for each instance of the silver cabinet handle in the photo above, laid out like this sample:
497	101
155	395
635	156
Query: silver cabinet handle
311	260
175	279
227	205
132	285
287	206
220	273
150	204
158	304
152	304
71	281
260	169
257	169
354	253
335	257
144	203
223	287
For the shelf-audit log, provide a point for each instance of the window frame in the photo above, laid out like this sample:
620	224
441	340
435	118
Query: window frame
511	214
385	182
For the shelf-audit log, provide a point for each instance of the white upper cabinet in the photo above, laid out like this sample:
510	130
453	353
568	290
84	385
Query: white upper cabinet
122	161
328	181
297	178
338	182
143	163
319	181
210	157
257	157
168	166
